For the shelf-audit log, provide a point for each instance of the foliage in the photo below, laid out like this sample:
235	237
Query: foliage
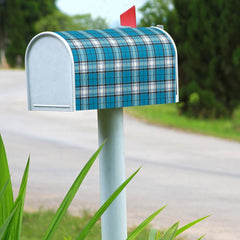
209	56
20	20
36	223
86	21
58	21
11	213
2	29
206	34
170	234
158	12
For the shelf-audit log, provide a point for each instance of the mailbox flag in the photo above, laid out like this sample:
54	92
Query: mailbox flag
128	18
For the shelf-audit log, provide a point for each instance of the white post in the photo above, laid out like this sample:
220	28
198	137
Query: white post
112	172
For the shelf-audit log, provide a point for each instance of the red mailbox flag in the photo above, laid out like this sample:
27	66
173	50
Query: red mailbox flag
128	18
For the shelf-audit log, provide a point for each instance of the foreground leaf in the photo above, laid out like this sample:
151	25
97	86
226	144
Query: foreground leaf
184	228
2	192
144	224
17	221
103	208
6	228
153	234
69	196
6	204
170	233
201	237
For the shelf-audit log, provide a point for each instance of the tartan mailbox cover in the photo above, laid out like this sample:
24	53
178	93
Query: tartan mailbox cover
98	69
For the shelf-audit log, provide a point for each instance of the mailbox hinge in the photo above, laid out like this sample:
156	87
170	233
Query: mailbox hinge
160	26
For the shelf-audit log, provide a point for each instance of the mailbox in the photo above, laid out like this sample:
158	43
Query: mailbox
99	69
105	70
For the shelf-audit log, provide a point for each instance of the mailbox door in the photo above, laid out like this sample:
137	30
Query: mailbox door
50	74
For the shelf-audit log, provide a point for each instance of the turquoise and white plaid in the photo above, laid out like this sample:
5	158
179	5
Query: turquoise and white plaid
123	67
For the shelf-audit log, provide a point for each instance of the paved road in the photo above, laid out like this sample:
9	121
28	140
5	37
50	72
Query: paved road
195	175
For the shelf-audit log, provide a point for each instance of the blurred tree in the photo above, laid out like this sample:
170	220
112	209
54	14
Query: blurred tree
20	20
15	33
209	51
18	25
86	21
207	36
58	21
157	12
2	32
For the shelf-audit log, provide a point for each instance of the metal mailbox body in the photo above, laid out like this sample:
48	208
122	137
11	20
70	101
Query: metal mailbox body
99	69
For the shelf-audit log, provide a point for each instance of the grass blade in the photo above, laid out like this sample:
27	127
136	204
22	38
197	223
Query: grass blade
170	233
5	228
152	234
201	237
70	195
144	224
6	204
20	201
2	192
103	208
184	228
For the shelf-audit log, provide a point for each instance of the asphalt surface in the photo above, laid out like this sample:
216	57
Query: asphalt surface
195	175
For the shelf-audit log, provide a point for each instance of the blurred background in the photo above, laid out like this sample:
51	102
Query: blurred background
206	34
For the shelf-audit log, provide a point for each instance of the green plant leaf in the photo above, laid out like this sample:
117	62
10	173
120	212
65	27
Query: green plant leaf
201	237
158	235
103	208
170	233
5	228
17	221
2	192
70	195
6	204
144	224
184	228
153	234
67	238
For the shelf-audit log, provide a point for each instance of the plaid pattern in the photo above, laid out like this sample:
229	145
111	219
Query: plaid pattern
122	67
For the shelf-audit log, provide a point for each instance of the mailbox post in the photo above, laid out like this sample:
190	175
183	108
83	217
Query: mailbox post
112	172
104	70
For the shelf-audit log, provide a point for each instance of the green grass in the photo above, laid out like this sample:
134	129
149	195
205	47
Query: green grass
167	115
35	225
